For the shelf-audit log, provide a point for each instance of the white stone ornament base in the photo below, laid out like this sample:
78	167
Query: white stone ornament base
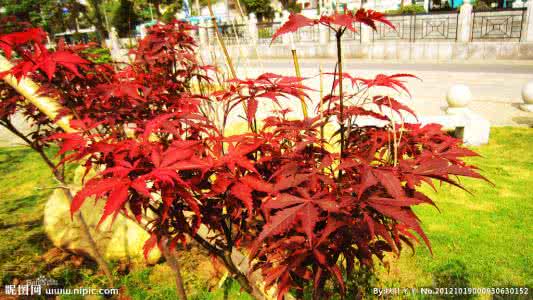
458	110
526	107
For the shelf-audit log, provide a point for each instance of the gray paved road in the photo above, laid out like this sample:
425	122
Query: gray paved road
496	87
515	67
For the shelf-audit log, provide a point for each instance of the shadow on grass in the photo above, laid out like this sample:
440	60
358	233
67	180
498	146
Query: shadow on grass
40	241
528	121
14	205
28	224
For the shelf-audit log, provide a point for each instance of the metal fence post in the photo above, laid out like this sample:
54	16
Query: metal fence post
324	33
465	23
252	29
528	36
412	32
202	33
366	32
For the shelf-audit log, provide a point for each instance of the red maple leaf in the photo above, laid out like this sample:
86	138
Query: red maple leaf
295	22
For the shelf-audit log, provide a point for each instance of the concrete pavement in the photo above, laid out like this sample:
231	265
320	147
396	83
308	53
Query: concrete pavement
496	86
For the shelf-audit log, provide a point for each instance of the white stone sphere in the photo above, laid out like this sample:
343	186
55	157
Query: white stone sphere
459	95
527	93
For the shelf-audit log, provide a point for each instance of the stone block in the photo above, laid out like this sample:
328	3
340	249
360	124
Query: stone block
491	50
365	50
355	50
476	130
391	51
460	51
417	51
509	50
431	51
526	51
311	51
331	50
378	51
472	128
457	110
526	107
445	51
475	51
404	51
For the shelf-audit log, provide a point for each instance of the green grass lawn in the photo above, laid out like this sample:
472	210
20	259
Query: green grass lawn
489	231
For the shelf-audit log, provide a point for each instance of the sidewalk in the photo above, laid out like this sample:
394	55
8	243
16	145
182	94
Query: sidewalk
496	87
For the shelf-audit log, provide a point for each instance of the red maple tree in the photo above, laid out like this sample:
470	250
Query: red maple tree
308	209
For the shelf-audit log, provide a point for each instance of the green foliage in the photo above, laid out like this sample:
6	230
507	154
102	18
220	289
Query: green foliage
99	55
260	8
170	12
481	5
451	274
48	14
264	33
293	7
358	285
408	10
125	18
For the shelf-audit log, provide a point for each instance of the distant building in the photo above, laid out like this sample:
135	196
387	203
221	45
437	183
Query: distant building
223	10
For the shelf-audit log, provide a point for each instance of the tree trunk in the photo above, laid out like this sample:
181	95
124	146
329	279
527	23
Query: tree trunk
198	8
172	259
157	11
98	20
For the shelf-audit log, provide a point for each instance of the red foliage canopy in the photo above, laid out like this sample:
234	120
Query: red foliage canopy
280	191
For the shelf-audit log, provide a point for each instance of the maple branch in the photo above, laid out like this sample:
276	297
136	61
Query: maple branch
227	233
321	111
172	259
9	126
338	36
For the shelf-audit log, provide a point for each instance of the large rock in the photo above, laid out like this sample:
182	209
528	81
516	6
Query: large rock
123	239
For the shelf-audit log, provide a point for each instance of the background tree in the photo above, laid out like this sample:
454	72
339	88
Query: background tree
262	9
125	18
158	5
157	9
97	18
52	15
291	5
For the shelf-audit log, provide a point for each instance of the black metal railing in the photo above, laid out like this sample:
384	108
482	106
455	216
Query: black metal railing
419	27
495	24
498	24
400	32
307	34
440	26
234	33
266	30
